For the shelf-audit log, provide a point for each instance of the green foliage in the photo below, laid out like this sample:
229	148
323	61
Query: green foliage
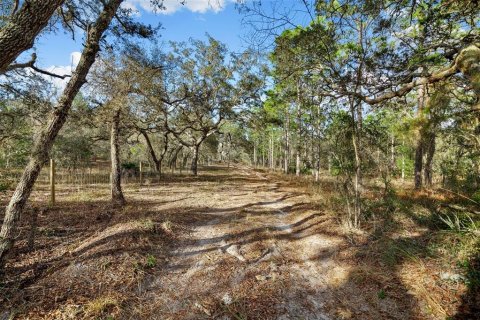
130	166
381	294
460	222
72	150
471	269
151	261
339	136
476	196
396	251
5	186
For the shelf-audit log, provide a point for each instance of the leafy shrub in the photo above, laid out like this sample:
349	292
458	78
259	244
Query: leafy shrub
472	272
151	261
130	166
381	294
459	222
476	196
4	186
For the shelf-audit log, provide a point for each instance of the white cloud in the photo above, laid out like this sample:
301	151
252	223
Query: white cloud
131	6
75	58
64	70
171	6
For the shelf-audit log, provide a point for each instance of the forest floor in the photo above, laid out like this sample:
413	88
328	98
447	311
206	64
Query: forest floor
231	243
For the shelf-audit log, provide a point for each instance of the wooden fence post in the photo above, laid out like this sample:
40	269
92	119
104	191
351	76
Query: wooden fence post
52	182
140	166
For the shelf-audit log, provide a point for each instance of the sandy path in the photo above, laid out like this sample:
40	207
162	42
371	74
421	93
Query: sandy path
230	244
261	246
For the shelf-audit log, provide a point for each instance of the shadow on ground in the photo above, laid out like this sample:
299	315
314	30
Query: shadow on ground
92	260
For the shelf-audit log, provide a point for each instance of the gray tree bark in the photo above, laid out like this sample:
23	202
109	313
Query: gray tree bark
22	28
418	166
153	156
174	157
46	137
299	131
194	166
287	141
430	151
356	136
254	154
116	173
156	160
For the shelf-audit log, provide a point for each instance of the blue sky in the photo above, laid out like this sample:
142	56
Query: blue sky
217	17
59	53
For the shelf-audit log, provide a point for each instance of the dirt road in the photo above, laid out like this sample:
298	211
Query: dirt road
229	244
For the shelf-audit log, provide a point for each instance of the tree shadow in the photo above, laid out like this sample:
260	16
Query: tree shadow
87	251
470	302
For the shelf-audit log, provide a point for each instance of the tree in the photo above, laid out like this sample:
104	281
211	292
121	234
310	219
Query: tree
200	91
47	134
19	31
363	54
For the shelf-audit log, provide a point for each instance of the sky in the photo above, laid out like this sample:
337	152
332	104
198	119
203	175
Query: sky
58	52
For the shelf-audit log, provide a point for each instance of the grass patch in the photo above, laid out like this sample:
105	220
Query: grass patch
147	225
104	307
395	251
150	262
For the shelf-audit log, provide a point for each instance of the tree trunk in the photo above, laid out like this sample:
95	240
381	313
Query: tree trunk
263	157
297	164
403	161
116	174
392	153
163	153
299	131
194	166
287	141
418	166
19	33
330	163
317	163
254	154
270	151
356	136
173	159
317	160
430	150
357	182
46	137
274	162
318	145
153	156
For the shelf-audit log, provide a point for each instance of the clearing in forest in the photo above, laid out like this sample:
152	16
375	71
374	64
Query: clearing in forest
229	244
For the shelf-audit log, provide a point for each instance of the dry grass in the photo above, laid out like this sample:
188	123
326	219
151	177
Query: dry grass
168	254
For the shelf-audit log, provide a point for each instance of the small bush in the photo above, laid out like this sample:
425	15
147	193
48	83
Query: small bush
472	273
101	306
459	222
396	251
130	166
476	196
151	261
5	186
147	225
167	226
381	294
